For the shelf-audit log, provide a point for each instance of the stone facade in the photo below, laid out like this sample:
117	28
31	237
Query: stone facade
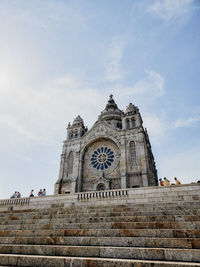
114	154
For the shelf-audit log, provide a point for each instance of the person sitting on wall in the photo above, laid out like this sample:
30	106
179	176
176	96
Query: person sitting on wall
14	195
161	182
31	193
40	193
166	182
18	194
177	182
44	192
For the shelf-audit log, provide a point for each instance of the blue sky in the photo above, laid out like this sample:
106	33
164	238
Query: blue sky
62	58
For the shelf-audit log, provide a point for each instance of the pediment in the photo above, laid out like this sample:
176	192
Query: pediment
101	129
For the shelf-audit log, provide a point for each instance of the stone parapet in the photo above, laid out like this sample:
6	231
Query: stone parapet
155	194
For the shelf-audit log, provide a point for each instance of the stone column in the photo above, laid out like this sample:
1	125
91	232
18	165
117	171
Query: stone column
144	166
123	163
75	171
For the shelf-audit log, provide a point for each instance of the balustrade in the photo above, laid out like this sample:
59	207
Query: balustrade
102	194
14	202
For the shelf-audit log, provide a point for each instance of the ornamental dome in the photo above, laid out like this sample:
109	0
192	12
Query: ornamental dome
111	110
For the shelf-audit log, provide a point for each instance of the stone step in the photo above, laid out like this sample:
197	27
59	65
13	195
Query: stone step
65	212
167	233
132	208
104	225
167	254
59	261
85	219
105	241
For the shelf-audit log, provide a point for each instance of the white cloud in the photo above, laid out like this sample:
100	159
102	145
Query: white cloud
45	14
169	10
156	126
12	123
39	114
114	55
152	87
186	122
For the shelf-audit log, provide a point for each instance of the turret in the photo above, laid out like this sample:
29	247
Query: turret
131	117
77	129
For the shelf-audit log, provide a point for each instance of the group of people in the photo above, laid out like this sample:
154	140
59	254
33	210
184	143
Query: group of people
40	193
16	194
166	182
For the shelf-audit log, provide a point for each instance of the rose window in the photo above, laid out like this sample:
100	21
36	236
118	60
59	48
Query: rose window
102	158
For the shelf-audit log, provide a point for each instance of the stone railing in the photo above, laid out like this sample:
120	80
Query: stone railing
102	194
14	202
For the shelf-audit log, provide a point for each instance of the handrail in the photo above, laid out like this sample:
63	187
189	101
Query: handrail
102	194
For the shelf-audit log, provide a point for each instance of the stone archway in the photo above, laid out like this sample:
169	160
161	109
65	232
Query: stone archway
101	187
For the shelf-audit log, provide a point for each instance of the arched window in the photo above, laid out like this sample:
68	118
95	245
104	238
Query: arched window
133	154
133	123
119	125
71	135
127	124
70	163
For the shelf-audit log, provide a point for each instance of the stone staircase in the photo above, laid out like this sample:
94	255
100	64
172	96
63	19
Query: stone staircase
100	233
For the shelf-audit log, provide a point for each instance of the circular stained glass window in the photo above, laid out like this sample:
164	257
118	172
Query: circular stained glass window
102	158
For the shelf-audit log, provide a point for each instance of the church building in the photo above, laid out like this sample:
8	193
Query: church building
114	154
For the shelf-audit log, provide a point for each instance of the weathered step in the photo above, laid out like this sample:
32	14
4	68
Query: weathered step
85	219
106	241
163	254
84	205
167	233
52	261
64	213
104	225
128	208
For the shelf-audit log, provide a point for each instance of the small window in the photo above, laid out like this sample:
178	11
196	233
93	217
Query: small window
71	135
127	124
70	163
133	123
119	125
133	154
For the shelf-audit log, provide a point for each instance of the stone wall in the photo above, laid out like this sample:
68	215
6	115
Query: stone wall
176	194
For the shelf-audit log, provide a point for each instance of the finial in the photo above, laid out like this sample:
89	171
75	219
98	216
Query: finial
111	96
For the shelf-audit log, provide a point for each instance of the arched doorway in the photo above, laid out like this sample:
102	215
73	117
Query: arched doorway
100	187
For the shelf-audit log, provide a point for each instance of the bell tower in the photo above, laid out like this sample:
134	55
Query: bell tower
77	129
131	118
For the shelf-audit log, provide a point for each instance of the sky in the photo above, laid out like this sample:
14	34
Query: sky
61	58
